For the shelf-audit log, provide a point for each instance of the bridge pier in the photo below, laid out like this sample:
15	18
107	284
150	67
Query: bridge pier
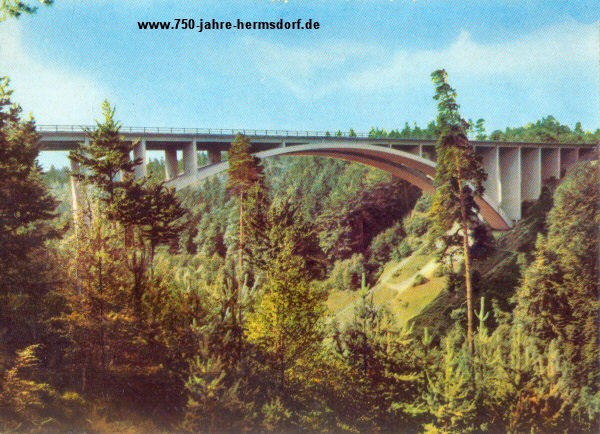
190	158
214	156
428	152
491	164
510	182
588	154
568	157
550	163
171	164
531	173
139	151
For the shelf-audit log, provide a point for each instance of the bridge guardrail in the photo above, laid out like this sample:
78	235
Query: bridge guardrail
277	133
216	131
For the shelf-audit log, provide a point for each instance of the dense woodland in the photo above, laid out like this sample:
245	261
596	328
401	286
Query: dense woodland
143	310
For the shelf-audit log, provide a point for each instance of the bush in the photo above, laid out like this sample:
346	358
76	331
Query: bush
347	273
417	224
419	280
402	251
384	244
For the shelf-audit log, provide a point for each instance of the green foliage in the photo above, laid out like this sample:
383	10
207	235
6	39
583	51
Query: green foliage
353	220
459	178
549	130
213	405
16	8
347	273
30	405
385	245
107	158
558	300
287	322
379	367
450	393
419	280
26	208
244	169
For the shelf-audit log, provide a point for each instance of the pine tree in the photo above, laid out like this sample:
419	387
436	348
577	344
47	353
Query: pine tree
26	208
245	171
287	321
458	180
450	393
558	300
106	157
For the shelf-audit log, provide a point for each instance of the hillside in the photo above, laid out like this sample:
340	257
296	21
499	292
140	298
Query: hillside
397	290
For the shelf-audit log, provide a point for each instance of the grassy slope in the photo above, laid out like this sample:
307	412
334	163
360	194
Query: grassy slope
500	273
428	304
395	290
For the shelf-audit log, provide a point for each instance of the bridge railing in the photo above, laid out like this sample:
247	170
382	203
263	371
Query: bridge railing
209	131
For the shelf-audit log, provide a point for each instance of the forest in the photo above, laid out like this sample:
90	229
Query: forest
268	300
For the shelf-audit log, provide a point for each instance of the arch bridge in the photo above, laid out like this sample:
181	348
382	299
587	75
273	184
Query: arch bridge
515	170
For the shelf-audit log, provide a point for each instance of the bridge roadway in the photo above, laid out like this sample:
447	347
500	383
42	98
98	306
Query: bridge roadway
515	170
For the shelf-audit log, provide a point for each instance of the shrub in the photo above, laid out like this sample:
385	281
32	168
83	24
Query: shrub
419	280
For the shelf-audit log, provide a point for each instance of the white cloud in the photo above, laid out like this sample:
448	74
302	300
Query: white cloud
308	71
540	56
53	93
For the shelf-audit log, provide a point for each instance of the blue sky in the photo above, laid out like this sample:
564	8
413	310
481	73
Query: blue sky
512	62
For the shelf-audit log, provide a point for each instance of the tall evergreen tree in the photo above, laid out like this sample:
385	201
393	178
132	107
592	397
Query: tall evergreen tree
245	171
558	300
106	157
26	207
287	322
458	180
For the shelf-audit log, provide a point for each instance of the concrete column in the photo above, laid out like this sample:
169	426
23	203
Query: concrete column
412	149
550	163
491	165
421	151
139	151
568	157
190	158
510	182
588	154
214	156
171	165
531	173
429	152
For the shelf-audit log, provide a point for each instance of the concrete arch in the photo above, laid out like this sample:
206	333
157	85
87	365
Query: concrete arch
416	170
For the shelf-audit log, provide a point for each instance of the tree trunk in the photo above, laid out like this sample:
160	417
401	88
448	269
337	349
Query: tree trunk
241	231
467	258
469	286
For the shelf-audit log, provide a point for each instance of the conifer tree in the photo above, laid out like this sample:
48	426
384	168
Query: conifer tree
287	321
458	180
106	157
26	208
245	171
558	300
